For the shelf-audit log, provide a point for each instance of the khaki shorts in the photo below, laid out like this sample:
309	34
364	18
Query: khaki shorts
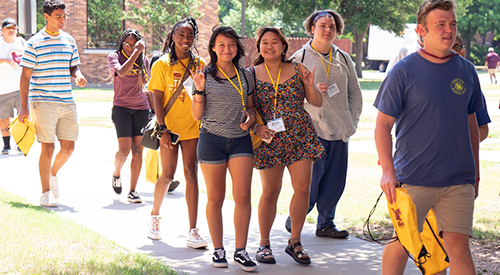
453	205
7	104
54	119
491	71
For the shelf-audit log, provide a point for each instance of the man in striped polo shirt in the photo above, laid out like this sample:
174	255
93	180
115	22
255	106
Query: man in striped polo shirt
49	61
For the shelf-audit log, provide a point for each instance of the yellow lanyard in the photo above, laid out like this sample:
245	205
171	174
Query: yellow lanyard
144	70
240	90
275	86
322	61
51	33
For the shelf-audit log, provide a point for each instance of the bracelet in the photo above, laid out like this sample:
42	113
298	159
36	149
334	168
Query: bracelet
196	92
255	127
477	179
153	111
196	101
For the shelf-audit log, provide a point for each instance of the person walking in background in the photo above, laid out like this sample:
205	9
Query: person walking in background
291	140
48	84
166	76
491	63
432	97
483	118
11	52
129	72
223	102
336	120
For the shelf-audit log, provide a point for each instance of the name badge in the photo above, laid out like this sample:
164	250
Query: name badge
276	125
333	90
188	85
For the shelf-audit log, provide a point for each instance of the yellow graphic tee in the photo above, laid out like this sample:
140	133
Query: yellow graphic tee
166	78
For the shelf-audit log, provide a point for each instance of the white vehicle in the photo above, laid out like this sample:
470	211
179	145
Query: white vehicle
382	45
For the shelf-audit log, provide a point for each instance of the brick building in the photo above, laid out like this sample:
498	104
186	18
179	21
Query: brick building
94	61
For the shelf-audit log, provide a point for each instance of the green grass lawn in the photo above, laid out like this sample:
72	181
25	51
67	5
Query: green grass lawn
38	241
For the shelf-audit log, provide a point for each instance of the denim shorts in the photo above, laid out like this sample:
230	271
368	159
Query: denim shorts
213	149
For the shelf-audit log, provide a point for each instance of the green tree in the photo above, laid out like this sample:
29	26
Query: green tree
156	17
480	17
104	23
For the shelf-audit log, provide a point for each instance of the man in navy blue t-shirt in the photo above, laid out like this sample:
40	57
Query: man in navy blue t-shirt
432	97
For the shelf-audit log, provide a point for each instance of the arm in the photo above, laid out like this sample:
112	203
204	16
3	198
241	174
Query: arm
160	117
127	66
78	76
483	132
474	139
24	87
198	106
313	95
383	141
151	101
250	114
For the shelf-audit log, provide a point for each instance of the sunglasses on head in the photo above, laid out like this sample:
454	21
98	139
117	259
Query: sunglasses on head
458	47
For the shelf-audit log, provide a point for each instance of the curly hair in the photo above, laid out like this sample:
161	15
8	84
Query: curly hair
169	46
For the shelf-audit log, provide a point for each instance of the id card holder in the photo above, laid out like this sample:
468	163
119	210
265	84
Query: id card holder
276	125
188	85
333	90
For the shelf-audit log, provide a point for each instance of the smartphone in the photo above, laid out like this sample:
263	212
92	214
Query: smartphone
174	137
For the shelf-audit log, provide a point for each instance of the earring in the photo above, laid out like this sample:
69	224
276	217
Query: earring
283	53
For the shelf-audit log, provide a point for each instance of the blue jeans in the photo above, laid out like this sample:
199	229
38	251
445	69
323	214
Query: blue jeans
328	181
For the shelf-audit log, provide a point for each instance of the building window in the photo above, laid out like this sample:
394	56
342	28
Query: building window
104	23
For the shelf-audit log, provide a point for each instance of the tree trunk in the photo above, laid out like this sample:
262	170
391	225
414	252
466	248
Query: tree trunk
359	35
467	48
242	18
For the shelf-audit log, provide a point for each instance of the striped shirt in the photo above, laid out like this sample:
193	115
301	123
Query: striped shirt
51	58
223	108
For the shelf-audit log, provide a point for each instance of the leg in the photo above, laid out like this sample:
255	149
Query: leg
457	246
190	163
215	180
300	174
241	169
67	147
5	134
136	164
333	182
168	166
271	187
394	259
124	146
44	164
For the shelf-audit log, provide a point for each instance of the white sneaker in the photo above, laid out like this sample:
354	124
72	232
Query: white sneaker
154	227
54	186
194	239
47	199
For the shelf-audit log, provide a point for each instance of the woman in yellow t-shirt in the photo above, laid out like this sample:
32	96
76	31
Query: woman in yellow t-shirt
166	75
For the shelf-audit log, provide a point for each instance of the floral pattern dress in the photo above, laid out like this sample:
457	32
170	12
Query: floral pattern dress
300	140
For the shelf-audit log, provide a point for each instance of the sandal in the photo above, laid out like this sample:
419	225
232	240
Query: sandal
299	256
265	255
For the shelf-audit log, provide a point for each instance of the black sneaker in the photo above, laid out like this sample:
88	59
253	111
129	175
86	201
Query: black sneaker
5	150
134	197
219	258
242	259
117	185
288	224
173	185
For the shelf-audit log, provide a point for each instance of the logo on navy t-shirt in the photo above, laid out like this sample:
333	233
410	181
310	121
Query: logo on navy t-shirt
458	86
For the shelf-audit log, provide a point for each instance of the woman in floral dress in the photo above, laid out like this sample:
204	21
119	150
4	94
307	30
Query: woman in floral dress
290	138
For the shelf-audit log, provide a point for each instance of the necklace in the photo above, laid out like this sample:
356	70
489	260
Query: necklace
274	85
430	54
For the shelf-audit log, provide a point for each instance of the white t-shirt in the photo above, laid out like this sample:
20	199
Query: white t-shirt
9	76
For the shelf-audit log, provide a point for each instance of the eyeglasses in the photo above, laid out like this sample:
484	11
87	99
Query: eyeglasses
458	47
127	45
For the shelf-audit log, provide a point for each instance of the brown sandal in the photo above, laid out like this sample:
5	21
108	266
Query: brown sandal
265	257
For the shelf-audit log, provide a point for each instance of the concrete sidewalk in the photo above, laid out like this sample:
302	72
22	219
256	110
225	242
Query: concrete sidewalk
87	198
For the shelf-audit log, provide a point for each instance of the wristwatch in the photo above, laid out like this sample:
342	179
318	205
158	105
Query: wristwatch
196	92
